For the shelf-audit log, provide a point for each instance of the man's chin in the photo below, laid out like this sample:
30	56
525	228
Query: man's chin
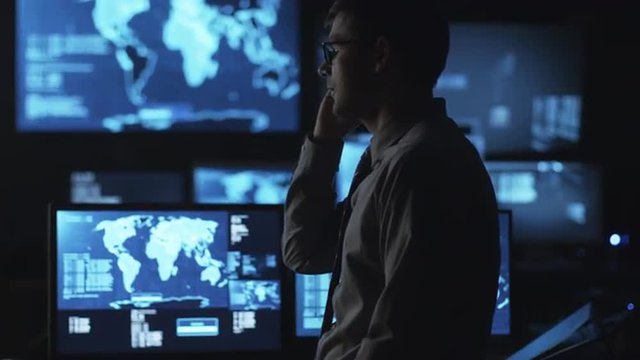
341	111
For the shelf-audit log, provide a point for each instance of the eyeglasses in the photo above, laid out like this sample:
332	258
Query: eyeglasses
329	50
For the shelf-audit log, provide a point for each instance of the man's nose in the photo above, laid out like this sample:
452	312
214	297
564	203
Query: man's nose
324	69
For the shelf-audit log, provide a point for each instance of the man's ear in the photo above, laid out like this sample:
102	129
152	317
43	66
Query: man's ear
382	55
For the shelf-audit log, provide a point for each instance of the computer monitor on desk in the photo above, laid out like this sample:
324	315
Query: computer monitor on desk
176	282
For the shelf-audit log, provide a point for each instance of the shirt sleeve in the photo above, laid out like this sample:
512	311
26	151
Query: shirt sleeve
311	216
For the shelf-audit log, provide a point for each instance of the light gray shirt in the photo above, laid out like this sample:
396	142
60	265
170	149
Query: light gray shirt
420	255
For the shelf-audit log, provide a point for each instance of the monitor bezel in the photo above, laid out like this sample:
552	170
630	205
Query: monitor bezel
52	299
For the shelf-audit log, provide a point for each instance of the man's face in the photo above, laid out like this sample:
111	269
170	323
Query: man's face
348	74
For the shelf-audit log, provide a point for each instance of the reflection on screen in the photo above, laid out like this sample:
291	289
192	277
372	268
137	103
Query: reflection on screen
312	290
167	281
552	201
126	187
241	184
517	86
142	65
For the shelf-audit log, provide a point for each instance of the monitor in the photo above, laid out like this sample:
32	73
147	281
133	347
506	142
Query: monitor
112	66
265	183
518	86
175	281
553	202
312	290
116	187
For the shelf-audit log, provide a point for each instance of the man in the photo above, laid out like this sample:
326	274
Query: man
414	249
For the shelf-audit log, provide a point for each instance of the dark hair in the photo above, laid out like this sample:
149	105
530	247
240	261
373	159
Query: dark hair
416	30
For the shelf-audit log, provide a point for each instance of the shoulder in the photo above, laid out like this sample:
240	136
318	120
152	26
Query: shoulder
416	156
437	137
430	151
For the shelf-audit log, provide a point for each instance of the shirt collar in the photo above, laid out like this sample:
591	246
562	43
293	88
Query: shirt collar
393	131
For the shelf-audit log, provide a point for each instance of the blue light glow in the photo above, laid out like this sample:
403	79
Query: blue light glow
614	240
